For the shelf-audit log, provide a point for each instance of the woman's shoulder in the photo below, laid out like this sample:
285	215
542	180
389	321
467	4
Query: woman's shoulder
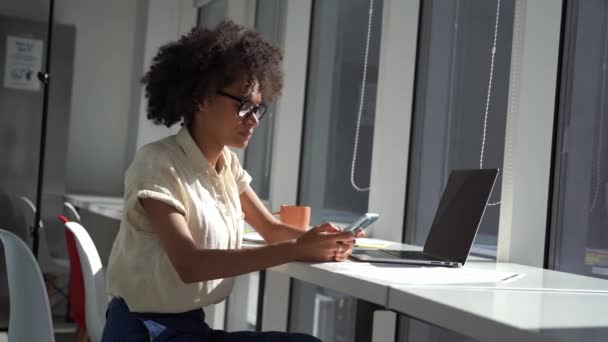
231	158
161	149
157	155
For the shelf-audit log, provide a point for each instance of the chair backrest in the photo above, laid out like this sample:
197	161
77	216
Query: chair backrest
44	253
13	216
96	300
76	279
70	212
30	312
29	209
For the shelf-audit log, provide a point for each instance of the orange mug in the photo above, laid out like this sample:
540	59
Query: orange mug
295	215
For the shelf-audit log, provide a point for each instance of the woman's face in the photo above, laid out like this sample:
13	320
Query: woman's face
220	115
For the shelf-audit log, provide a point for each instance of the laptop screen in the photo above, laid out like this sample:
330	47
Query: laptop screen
459	214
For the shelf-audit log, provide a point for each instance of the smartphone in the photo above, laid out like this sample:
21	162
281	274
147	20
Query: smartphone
362	222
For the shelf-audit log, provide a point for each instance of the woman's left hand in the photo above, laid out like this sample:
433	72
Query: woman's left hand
344	249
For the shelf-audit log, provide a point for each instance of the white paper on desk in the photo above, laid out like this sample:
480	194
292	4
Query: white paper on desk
424	275
372	243
253	237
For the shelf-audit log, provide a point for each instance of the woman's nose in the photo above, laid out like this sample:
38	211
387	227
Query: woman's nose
252	120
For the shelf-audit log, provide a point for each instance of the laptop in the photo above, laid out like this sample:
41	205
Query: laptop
456	222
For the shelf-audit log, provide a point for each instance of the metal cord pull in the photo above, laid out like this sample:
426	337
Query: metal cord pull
43	77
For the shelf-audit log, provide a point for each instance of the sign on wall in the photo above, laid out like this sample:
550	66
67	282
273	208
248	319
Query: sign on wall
22	63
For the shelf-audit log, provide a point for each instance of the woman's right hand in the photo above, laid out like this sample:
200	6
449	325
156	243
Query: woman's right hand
323	242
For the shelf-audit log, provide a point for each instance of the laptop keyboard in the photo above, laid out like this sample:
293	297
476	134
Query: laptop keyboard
410	255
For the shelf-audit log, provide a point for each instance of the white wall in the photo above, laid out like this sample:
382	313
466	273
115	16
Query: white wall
102	92
31	9
166	21
101	89
115	41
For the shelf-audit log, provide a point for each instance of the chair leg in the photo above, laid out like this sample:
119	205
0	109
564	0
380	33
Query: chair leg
68	317
77	335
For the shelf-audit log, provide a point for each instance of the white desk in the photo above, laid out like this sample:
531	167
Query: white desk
328	275
107	206
80	200
543	305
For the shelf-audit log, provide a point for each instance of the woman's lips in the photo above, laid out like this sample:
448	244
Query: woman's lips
246	134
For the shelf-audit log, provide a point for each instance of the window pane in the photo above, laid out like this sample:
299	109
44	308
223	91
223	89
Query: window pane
258	156
454	62
453	73
326	314
23	54
212	13
412	330
335	74
580	238
242	304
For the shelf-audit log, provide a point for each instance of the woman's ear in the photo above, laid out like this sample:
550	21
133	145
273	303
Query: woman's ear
202	106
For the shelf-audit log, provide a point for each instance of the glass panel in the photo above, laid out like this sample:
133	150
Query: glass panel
412	330
23	54
336	64
268	21
453	73
212	13
454	66
242	305
326	314
580	212
335	78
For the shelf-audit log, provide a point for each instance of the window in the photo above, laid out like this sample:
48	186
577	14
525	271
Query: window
268	21
24	45
449	120
242	305
212	13
333	104
580	211
451	129
335	79
414	330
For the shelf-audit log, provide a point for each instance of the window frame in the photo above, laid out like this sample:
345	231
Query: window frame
529	145
394	114
524	216
285	157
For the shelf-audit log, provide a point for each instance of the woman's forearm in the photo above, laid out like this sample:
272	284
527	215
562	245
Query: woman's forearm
281	232
208	264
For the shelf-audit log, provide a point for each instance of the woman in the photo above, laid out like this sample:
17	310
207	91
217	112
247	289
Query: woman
186	196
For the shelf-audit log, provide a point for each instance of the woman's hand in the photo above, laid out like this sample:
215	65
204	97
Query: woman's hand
343	252
325	242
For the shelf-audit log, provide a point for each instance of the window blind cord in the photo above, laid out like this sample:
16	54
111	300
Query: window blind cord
361	101
598	159
485	120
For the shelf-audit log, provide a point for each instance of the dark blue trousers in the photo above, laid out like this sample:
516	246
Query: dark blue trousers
124	325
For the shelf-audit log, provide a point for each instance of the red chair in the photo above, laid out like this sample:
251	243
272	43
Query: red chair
77	295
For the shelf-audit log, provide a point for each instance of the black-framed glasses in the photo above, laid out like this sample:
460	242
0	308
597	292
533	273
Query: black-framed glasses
246	107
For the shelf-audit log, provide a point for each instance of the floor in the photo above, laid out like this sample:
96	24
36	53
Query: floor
64	331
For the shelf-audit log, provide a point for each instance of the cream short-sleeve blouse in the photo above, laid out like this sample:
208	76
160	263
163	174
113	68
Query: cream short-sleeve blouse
174	171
